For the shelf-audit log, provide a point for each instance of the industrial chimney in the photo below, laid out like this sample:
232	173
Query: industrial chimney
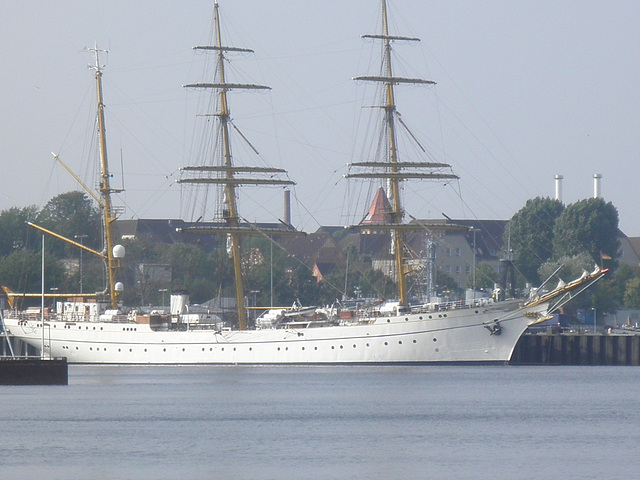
597	177
287	207
559	187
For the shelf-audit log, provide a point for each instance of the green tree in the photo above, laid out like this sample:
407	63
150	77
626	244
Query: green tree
531	235
72	214
21	271
632	293
486	277
572	268
190	267
590	226
14	231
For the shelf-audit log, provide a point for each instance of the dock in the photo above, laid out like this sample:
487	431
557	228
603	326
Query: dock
577	349
33	371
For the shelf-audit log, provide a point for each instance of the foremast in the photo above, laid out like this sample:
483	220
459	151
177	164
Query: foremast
105	189
228	179
393	170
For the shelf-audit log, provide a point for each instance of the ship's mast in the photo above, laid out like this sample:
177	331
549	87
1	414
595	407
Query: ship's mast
105	189
230	181
393	170
393	183
230	188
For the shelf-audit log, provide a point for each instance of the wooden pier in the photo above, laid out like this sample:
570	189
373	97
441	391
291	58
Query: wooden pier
577	349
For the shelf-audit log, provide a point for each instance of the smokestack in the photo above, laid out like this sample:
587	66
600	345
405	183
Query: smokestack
287	207
597	177
559	187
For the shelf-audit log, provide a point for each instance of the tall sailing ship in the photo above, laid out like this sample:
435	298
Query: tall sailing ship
99	331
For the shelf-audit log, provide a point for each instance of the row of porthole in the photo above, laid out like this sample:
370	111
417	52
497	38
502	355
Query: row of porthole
250	348
124	329
421	318
79	327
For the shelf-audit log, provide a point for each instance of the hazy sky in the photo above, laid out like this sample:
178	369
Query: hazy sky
525	90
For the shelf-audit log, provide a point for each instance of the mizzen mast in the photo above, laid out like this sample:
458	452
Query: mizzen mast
105	189
393	170
227	173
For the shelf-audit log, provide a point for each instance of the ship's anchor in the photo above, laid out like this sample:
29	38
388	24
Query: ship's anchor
495	328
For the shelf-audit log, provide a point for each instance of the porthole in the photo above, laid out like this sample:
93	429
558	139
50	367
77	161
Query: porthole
164	349
94	328
415	341
439	315
286	349
341	347
91	348
437	350
430	317
435	339
223	349
77	348
211	349
234	349
131	350
445	315
399	342
333	347
385	343
476	311
315	348
101	328
406	319
368	345
388	320
145	349
183	349
354	345
119	350
278	348
420	317
249	349
203	349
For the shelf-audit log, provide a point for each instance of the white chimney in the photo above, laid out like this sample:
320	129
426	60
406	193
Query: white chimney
559	187
597	177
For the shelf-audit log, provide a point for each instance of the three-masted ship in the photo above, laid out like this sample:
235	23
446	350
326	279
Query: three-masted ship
483	331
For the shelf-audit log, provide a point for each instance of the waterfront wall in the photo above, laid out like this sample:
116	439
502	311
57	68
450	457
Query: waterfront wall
577	349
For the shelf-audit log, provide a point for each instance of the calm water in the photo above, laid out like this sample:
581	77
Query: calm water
325	423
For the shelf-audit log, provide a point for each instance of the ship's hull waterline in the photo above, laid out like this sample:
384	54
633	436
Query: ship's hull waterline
456	336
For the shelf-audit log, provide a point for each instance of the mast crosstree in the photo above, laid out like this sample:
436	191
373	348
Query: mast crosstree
227	172
393	170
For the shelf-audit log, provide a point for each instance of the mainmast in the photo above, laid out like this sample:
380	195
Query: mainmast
227	172
105	188
393	170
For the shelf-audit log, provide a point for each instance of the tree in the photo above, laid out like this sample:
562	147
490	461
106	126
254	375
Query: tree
486	277
572	268
531	235
72	214
14	231
590	226
21	271
632	293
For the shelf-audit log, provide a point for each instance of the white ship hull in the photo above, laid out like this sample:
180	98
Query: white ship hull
455	336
